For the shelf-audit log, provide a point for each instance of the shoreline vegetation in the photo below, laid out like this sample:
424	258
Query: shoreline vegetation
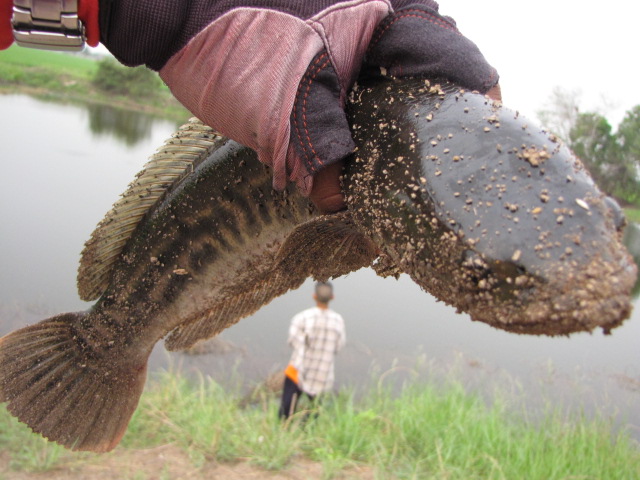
78	78
633	214
424	431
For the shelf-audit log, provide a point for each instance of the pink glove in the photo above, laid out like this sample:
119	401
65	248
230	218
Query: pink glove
273	74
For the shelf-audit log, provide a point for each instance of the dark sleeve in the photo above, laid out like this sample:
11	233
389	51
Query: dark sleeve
149	32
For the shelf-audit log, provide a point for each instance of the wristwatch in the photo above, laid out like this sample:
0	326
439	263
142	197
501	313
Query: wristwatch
48	24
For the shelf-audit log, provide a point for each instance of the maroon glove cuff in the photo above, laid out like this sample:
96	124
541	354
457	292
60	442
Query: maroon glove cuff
319	128
417	40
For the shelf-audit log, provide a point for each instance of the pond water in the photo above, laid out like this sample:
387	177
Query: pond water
63	166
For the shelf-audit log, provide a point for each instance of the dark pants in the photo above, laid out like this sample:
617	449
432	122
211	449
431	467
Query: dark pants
290	395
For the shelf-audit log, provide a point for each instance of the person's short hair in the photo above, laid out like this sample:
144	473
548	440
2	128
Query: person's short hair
324	292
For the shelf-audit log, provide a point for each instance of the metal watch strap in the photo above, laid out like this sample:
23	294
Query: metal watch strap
48	24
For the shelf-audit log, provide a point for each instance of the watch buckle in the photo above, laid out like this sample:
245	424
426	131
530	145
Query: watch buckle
65	33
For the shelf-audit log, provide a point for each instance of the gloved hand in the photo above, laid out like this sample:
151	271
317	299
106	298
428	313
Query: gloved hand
416	40
274	74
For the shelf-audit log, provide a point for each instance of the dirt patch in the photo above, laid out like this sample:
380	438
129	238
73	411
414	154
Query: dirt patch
170	462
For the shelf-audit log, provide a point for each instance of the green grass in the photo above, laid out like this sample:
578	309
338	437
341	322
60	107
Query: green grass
424	432
48	71
29	57
28	451
632	214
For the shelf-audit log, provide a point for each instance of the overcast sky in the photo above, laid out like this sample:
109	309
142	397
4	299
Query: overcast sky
578	45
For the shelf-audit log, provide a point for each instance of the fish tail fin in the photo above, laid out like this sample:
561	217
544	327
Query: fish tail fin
52	382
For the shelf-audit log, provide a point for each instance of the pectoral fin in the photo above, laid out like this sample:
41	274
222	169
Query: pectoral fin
324	247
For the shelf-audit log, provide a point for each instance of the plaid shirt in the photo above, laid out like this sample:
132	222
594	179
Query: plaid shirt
316	335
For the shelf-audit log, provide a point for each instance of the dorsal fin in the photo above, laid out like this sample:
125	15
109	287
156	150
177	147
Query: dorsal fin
324	247
178	156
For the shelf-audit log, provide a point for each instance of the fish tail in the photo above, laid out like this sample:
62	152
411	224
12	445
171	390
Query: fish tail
54	383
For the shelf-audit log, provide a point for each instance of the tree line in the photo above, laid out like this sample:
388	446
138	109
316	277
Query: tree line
612	157
114	78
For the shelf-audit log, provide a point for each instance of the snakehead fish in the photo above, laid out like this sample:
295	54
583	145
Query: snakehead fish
482	209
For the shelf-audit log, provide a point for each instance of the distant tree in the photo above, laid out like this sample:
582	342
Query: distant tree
628	136
628	139
591	139
561	111
612	158
609	157
112	77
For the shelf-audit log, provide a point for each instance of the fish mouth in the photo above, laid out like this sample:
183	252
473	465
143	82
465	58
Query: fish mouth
566	289
559	303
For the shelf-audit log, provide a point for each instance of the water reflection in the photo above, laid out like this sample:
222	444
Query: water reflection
124	125
63	180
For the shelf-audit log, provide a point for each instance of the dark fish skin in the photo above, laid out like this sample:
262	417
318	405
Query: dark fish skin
182	261
481	226
486	211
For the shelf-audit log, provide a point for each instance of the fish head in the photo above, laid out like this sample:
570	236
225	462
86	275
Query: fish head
485	210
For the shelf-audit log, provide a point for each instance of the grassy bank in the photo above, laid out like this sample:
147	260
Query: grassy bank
632	214
425	432
69	78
